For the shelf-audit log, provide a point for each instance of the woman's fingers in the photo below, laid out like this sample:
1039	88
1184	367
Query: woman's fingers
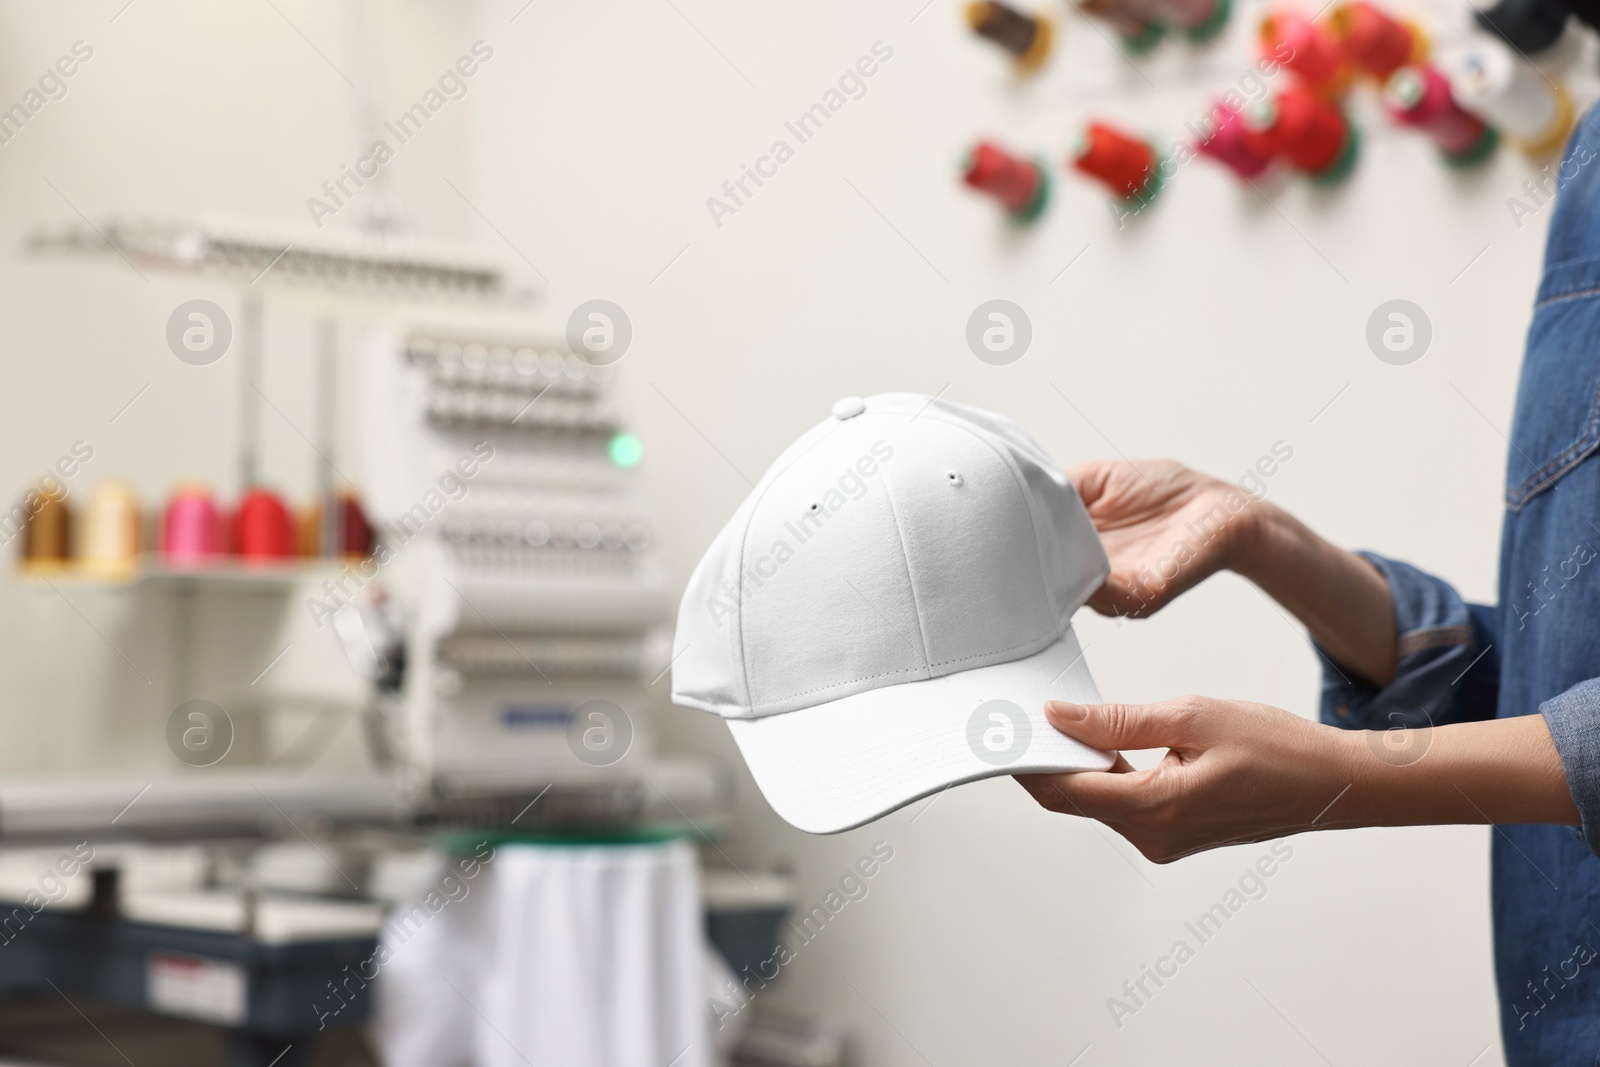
1113	797
1122	794
1090	479
1168	724
1233	771
1120	597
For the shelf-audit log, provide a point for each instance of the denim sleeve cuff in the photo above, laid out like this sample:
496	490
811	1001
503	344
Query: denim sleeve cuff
1446	668
1574	721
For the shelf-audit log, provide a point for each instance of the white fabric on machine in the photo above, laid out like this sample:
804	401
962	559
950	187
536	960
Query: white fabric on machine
578	956
419	1020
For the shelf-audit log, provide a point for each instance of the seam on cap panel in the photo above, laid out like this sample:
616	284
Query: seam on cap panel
1010	462
905	558
742	698
1033	516
1048	641
744	539
1038	452
1057	629
736	634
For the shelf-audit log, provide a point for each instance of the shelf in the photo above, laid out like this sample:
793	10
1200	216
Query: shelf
227	572
676	794
243	251
190	804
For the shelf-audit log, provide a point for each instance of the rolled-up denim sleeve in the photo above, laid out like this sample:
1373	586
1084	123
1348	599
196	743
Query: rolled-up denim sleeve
1574	721
1448	669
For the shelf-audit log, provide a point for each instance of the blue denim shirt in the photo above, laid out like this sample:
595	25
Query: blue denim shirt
1538	650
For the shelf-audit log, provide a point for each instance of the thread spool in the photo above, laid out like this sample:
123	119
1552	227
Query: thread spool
47	535
1126	164
191	532
1307	49
1138	32
1530	27
1420	97
1021	185
1026	37
1226	142
355	533
308	532
1377	44
263	527
1305	129
1200	20
111	523
1534	112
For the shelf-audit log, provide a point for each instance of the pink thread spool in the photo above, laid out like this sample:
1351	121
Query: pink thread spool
1421	97
1226	142
192	532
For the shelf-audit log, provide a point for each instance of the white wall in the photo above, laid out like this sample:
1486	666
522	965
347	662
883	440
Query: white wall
1207	330
183	109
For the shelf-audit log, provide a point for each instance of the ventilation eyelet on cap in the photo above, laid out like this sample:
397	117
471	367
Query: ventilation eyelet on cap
849	407
954	478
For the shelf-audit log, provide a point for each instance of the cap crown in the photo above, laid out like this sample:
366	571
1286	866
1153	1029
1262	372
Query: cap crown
909	539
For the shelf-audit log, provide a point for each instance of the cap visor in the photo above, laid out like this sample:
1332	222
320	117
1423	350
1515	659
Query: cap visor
835	766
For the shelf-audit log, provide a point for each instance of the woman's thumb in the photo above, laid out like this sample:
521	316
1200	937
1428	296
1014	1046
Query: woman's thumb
1120	726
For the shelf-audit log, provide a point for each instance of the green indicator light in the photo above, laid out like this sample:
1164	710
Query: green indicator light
626	450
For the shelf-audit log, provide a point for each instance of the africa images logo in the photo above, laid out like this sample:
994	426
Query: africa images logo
999	733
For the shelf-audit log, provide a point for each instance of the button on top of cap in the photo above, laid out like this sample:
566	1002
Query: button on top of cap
849	407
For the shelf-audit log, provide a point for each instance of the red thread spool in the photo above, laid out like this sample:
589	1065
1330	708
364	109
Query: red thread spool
1305	48
1421	97
1126	164
1020	184
1227	144
1307	130
263	527
1376	43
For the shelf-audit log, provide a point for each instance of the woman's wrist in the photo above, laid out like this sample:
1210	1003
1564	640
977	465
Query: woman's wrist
1502	771
1341	598
1257	545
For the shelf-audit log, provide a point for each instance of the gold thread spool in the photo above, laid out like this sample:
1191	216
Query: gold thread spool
1027	37
1560	130
1043	41
308	531
47	542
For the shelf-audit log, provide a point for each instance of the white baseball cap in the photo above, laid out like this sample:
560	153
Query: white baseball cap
886	614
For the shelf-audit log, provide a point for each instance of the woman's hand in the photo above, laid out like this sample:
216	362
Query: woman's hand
1233	772
1165	527
1236	772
